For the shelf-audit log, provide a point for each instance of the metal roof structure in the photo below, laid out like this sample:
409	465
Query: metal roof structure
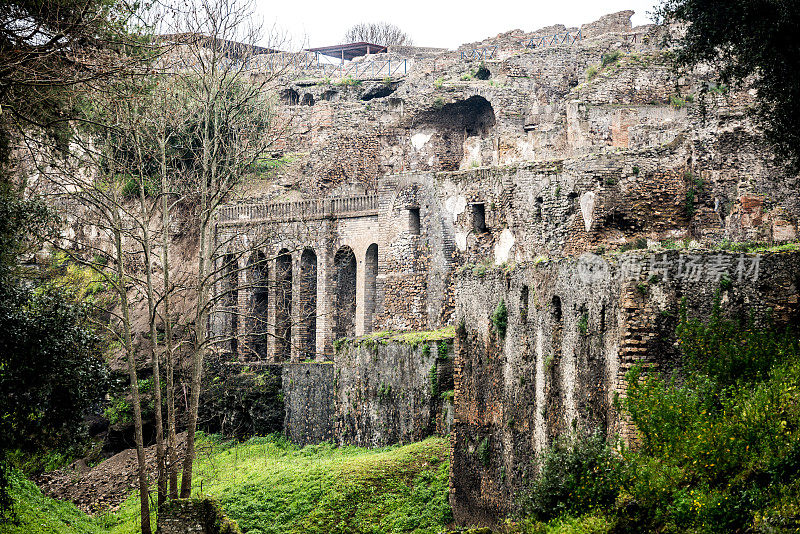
231	49
349	51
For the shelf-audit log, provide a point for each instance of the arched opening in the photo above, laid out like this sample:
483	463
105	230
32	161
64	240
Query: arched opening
259	300
483	73
308	99
308	304
370	286
231	294
344	304
290	97
453	124
524	303
283	306
557	309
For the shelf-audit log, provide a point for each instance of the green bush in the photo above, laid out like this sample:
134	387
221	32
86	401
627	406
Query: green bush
500	318
676	101
241	404
483	452
130	187
583	323
433	381
576	476
610	58
716	440
442	349
718	446
694	189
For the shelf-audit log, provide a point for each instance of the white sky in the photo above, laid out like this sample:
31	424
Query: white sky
311	23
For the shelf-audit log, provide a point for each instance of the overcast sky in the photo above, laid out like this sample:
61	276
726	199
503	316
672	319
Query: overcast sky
448	24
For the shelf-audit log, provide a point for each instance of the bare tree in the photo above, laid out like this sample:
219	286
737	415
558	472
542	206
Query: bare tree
235	128
382	33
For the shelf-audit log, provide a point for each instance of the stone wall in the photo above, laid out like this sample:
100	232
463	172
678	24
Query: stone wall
575	327
392	392
309	393
196	516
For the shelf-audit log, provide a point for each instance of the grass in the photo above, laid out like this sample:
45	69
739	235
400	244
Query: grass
38	514
412	338
271	486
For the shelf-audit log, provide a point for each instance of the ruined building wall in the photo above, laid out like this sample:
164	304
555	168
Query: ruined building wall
391	393
575	327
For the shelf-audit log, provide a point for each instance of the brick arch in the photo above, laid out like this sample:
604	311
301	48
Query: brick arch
283	305
344	293
370	286
257	316
307	293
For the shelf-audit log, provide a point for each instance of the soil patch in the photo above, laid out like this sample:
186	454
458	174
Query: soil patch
104	487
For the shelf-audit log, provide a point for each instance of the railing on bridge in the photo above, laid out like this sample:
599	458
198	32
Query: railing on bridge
307	64
474	54
553	40
300	210
371	69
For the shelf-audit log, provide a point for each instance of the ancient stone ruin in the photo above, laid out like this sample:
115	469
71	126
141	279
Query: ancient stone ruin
483	241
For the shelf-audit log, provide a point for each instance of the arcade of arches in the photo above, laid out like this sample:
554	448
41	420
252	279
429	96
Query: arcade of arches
279	307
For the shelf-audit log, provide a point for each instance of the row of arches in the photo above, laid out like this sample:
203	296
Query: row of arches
271	301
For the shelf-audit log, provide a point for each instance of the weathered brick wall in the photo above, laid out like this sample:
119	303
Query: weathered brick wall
195	516
384	392
571	338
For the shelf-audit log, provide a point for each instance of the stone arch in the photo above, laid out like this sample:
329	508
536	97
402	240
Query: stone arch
259	304
290	97
344	297
283	306
370	286
308	303
231	299
308	99
456	124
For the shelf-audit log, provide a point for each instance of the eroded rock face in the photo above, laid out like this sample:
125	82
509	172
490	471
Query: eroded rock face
550	143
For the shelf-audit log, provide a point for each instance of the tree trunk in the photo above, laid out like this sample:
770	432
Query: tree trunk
144	496
151	307
172	453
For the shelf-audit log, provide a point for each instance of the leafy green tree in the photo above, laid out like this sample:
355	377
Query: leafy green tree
748	41
51	367
49	50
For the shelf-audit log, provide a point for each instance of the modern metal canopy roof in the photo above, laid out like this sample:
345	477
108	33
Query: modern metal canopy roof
349	51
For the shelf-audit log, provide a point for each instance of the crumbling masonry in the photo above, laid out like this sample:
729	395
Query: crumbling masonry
517	169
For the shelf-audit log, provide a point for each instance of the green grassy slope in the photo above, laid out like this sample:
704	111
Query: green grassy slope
270	486
38	514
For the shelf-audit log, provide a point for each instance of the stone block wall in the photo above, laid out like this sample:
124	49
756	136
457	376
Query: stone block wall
195	516
391	392
309	394
575	327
